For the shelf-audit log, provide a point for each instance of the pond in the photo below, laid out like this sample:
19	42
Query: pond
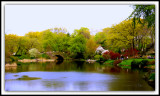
73	76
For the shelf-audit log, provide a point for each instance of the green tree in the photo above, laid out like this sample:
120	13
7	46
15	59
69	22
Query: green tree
101	37
147	12
77	46
48	40
84	31
62	42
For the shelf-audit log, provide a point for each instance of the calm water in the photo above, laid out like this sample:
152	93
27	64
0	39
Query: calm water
73	76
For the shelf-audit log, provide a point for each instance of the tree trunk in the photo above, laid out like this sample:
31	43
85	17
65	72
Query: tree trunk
17	51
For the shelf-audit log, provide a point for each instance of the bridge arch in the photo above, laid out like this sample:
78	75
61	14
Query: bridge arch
56	55
59	57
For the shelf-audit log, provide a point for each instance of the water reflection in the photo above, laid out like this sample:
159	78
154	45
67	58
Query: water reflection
54	84
12	69
58	81
70	66
80	64
131	82
74	76
59	61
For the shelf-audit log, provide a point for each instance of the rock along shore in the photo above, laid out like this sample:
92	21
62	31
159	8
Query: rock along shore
36	60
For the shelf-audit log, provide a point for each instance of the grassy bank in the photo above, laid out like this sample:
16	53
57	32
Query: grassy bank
129	61
147	63
109	62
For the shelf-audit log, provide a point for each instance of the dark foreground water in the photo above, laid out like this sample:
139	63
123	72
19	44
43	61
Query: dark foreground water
73	76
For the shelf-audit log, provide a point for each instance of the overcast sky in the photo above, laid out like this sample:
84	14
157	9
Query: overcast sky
21	19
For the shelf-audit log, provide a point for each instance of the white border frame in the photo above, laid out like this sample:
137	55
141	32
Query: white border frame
3	3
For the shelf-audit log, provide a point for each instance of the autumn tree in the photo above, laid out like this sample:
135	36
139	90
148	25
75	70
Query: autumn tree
10	45
123	36
34	41
91	46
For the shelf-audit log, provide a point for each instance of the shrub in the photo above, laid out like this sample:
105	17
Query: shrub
19	63
152	76
114	55
143	63
139	64
134	64
106	55
33	53
24	57
45	56
117	62
32	57
102	58
13	58
131	52
111	55
8	60
97	57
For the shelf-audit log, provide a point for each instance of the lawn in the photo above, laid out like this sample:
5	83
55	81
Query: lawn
128	62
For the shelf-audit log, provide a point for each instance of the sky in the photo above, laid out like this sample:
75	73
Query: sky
21	19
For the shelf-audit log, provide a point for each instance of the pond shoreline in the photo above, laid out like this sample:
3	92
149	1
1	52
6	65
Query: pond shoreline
37	60
14	64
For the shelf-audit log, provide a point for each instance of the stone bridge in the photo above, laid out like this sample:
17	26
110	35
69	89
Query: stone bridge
56	55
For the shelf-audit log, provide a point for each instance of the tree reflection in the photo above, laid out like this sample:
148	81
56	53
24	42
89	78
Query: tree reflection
59	61
53	84
69	65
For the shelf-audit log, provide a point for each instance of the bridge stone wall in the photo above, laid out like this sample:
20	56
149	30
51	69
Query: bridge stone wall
53	54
